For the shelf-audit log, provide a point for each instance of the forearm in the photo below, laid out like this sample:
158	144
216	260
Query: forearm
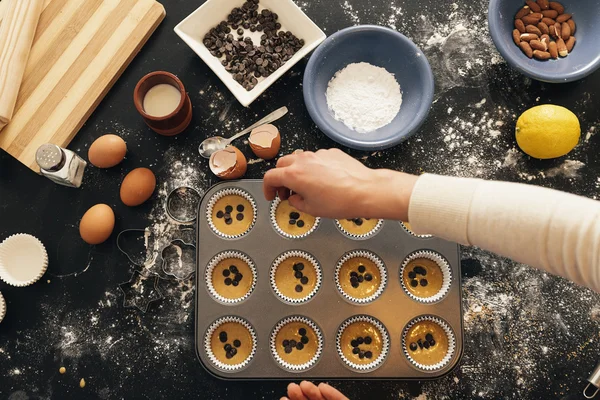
550	230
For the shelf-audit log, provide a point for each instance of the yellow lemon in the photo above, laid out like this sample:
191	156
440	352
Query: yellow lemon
547	131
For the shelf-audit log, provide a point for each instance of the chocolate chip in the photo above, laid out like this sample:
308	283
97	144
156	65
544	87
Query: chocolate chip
299	266
354	343
368	277
414	283
298	274
235	282
302	332
226	273
361	354
361	269
239	277
233	269
300	223
228	355
413	346
432	342
429	337
237	343
360	278
426	345
227	347
293	343
285	343
354	284
228	281
223	337
228	221
233	351
228	209
304	280
358	221
292	222
240	31
240	208
423	282
288	350
304	339
239	216
299	346
220	214
299	288
412	274
293	214
368	340
368	354
355	350
353	279
353	273
420	343
420	270
360	340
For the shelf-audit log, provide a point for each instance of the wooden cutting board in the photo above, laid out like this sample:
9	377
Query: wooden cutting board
80	49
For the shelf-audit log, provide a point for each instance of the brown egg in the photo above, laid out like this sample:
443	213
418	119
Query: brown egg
229	163
107	151
97	224
137	187
265	141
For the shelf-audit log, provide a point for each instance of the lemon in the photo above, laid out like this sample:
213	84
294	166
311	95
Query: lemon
547	131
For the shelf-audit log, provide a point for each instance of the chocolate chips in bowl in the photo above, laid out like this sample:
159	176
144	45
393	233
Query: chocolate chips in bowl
251	43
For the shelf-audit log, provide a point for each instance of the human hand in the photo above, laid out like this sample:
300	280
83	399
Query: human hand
331	184
308	391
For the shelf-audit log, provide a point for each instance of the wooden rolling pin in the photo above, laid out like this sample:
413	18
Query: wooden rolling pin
16	37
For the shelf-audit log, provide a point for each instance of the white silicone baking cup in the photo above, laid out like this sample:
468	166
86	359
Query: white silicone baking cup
296	367
385	345
449	335
23	260
215	261
229	192
208	348
382	273
367	235
410	232
444	267
273	211
307	257
2	307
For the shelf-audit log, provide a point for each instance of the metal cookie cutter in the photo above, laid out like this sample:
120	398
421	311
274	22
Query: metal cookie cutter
140	291
182	204
178	259
145	233
593	385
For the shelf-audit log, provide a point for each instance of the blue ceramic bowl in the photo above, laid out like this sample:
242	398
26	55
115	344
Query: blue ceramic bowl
584	59
382	47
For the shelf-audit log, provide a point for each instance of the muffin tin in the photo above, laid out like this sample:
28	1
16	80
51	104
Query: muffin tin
328	308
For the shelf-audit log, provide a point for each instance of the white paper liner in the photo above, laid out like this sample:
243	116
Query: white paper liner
2	307
19	244
296	367
385	339
307	257
227	192
414	234
208	348
215	261
274	205
444	267
382	273
451	343
367	235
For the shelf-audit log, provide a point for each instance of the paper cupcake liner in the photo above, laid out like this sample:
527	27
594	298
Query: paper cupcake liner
309	258
414	234
273	344
208	348
373	365
367	235
382	273
444	267
274	204
215	261
19	244
227	192
2	307
451	344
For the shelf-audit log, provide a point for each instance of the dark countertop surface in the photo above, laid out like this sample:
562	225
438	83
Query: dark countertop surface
528	335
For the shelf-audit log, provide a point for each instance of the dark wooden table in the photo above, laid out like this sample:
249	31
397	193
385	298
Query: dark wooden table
528	335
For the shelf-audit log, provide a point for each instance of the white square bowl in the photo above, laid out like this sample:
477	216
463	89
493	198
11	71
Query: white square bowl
210	14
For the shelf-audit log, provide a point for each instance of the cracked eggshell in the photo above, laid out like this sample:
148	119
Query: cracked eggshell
265	141
229	163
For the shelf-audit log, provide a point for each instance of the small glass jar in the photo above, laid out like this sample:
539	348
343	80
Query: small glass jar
60	165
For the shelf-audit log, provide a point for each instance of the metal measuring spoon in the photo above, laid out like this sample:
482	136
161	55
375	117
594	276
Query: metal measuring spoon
216	143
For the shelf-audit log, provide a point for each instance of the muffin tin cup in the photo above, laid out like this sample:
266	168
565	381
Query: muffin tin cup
451	344
273	344
231	191
274	204
444	267
373	365
410	232
208	348
382	273
2	307
367	235
281	259
23	260
213	264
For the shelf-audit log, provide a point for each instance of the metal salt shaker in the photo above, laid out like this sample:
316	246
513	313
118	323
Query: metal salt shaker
60	165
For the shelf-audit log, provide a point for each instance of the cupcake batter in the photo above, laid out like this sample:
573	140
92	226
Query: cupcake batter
365	337
232	278
231	343
232	215
427	343
291	221
296	277
423	277
358	226
359	277
296	343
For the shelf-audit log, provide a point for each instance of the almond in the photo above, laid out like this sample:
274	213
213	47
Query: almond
565	31
550	14
572	26
563	18
543	28
552	30
570	43
553	49
555	5
544	4
534	6
523	12
537	45
545	39
528	37
526	49
520	25
517	36
558	27
562	48
533	29
531	19
541	55
548	21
